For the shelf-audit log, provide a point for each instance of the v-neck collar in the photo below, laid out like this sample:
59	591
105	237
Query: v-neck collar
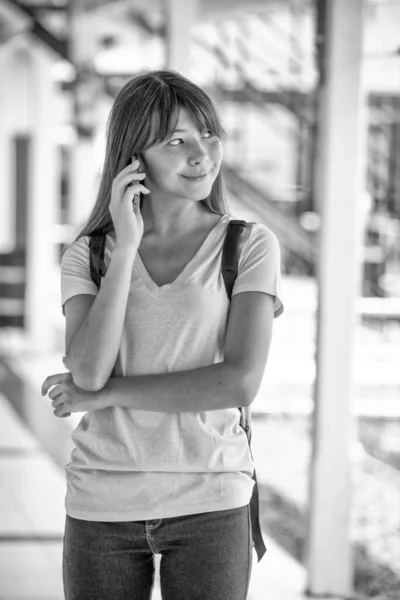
158	290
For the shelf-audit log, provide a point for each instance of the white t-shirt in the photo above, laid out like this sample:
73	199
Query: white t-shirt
131	464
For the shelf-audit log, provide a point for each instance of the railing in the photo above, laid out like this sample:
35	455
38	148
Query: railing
12	288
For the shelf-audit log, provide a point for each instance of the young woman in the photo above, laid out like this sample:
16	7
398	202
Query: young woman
160	361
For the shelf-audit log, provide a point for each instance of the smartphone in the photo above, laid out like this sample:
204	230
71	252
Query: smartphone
137	197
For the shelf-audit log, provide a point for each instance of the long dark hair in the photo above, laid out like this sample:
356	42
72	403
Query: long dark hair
144	111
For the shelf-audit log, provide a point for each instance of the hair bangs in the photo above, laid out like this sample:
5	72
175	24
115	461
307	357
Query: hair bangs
203	113
164	115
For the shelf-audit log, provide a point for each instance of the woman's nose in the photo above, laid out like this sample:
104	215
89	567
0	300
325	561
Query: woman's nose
197	155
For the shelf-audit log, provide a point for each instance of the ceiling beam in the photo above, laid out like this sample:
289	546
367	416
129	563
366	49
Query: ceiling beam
24	17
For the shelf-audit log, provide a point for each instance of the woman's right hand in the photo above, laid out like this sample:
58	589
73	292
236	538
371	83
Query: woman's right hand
128	223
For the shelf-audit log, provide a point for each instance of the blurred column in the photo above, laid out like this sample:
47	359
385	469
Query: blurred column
9	114
84	171
181	16
20	146
330	561
43	201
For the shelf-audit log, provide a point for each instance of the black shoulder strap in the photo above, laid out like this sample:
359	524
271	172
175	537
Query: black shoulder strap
230	265
230	254
97	246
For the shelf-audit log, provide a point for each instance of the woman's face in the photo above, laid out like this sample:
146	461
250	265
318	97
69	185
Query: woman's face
186	164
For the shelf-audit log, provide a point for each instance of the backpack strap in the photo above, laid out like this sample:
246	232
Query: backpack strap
230	263
97	246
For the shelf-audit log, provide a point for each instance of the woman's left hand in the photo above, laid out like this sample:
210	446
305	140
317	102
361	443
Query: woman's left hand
67	397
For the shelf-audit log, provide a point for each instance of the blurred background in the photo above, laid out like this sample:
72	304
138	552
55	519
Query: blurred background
309	94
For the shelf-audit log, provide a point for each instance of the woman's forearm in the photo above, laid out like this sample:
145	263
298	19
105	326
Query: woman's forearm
94	349
213	387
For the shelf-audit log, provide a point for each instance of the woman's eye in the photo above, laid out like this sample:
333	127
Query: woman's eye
177	141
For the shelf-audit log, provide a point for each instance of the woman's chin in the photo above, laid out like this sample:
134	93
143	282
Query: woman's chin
198	190
200	196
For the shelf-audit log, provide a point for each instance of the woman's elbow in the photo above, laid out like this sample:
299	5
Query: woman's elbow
85	380
90	385
247	388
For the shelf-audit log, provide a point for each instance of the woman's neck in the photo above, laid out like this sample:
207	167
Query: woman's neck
172	218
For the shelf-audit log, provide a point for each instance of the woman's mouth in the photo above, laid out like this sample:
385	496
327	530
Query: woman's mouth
195	177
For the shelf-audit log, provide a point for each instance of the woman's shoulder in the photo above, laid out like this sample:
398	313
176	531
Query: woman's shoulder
81	245
77	247
75	258
255	234
260	231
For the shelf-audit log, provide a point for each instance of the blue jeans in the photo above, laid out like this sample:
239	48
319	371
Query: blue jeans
205	556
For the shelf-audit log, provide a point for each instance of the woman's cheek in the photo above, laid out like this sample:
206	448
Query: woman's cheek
155	171
216	150
163	174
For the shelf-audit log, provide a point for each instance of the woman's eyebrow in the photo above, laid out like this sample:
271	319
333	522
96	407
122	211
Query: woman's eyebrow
185	130
171	133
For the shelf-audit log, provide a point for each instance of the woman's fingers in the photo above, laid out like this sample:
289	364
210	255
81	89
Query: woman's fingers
134	166
124	180
60	412
137	188
54	380
56	391
135	176
57	401
56	394
60	407
128	226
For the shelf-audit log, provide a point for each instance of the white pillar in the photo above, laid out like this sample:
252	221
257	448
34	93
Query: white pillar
42	260
330	563
11	118
84	170
181	16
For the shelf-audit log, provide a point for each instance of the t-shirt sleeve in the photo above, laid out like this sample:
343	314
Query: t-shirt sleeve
260	266
75	271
